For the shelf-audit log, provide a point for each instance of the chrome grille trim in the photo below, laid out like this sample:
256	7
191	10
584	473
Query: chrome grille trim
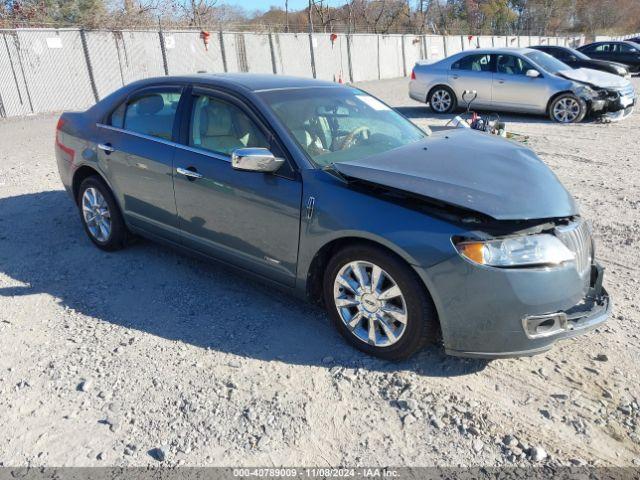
577	237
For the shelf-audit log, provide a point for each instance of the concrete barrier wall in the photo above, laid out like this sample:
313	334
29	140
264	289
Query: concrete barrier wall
331	57
391	56
365	57
187	53
234	52
413	50
292	53
44	70
258	50
500	42
453	44
435	47
485	41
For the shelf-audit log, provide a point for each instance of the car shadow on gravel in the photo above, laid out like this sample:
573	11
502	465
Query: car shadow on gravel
157	290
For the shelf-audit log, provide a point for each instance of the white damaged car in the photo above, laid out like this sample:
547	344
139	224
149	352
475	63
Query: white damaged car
521	80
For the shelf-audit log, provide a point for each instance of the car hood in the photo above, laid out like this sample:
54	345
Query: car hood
471	170
595	61
594	78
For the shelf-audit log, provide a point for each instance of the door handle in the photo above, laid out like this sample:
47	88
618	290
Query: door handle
106	148
500	81
456	76
190	174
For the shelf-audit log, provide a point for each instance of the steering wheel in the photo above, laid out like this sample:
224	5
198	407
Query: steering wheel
352	137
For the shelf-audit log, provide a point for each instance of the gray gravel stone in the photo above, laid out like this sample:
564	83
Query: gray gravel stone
537	454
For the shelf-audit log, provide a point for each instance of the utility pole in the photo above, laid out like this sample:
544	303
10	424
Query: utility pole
286	16
311	47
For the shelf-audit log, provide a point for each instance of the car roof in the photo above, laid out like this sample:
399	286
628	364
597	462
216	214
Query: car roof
248	81
482	51
600	42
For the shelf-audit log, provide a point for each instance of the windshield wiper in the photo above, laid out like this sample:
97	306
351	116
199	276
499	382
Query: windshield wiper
331	168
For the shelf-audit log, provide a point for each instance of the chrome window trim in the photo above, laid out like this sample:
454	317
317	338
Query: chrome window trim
306	87
170	143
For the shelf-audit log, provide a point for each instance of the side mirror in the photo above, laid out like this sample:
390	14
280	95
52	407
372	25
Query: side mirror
531	73
255	160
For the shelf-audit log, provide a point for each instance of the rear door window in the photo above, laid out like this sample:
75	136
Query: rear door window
152	114
475	63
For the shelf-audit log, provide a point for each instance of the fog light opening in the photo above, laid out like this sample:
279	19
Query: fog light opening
540	326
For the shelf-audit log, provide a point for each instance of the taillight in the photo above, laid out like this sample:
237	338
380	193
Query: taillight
69	151
413	74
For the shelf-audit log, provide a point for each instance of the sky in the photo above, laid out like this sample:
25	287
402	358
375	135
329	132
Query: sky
251	5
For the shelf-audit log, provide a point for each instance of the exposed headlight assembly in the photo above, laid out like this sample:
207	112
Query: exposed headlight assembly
525	251
585	91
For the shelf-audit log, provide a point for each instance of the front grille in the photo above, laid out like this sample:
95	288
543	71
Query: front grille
577	237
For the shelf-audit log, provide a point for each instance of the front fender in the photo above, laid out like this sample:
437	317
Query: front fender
341	212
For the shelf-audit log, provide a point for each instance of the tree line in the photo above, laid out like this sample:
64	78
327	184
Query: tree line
441	17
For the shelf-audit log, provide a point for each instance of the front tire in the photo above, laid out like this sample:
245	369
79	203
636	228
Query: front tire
378	303
567	108
441	99
100	215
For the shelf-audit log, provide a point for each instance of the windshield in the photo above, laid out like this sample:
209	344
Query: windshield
547	62
340	124
578	54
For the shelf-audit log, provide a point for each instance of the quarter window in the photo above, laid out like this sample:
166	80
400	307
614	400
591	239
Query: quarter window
476	63
222	127
151	114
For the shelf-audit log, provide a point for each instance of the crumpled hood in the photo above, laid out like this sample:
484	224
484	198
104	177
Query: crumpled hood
595	78
472	170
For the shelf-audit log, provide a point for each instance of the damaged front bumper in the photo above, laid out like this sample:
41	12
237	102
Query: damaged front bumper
500	313
613	106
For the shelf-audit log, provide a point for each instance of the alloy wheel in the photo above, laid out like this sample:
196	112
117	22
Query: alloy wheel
440	101
370	303
95	212
566	110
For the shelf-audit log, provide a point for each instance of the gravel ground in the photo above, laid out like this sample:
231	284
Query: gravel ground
146	356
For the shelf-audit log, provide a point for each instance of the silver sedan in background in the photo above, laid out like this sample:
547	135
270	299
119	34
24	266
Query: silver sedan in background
521	80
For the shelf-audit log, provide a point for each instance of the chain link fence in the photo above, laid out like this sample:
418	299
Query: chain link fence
47	70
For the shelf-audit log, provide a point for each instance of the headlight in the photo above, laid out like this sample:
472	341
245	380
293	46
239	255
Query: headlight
622	71
585	91
528	250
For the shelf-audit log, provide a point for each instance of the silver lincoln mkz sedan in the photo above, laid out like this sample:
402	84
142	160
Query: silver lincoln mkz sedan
521	80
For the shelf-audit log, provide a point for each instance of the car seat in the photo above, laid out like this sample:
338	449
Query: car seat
216	129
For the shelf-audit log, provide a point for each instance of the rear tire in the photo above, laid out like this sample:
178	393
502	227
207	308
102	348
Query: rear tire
441	99
100	215
567	108
389	313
